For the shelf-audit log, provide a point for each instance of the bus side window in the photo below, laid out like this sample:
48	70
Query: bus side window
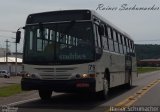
120	43
127	44
124	45
132	46
106	31
115	41
105	39
97	37
110	40
107	36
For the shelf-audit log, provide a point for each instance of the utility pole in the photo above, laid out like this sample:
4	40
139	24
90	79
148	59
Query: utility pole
7	50
15	57
16	60
7	46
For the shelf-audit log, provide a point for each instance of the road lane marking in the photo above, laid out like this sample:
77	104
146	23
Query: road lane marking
133	98
28	100
23	101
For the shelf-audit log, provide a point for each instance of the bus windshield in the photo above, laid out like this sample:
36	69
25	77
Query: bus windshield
59	43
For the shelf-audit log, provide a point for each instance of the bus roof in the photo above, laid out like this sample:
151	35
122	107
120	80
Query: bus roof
80	11
61	15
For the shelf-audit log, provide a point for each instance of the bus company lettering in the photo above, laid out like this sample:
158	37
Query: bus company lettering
72	56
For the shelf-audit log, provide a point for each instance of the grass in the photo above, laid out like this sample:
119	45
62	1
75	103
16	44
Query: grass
10	90
147	69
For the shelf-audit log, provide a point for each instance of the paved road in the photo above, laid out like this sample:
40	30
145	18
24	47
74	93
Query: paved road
29	101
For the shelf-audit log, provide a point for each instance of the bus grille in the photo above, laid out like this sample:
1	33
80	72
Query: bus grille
55	73
57	76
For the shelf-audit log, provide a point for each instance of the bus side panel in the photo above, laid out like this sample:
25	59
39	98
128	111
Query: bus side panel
117	70
115	63
101	65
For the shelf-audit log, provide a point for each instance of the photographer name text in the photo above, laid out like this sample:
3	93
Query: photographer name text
127	7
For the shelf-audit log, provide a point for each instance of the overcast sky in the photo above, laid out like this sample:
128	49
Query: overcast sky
142	25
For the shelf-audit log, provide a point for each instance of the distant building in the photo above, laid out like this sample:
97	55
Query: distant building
19	55
149	62
3	52
9	63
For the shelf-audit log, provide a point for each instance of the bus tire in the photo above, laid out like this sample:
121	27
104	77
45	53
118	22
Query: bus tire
45	94
5	76
103	95
129	84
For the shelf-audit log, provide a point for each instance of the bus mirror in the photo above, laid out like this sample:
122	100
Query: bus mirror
101	30
18	36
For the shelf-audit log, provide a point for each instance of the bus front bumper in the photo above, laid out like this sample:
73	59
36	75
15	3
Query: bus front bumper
77	85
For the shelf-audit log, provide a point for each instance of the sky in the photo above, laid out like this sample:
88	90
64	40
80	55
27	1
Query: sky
142	25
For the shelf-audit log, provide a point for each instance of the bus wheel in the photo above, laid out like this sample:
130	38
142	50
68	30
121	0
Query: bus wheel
104	93
45	94
129	84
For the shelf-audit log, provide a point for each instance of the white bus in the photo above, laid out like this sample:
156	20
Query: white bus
75	51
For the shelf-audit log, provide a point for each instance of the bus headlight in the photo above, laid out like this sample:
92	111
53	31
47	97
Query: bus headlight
88	76
31	75
26	75
35	76
82	76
